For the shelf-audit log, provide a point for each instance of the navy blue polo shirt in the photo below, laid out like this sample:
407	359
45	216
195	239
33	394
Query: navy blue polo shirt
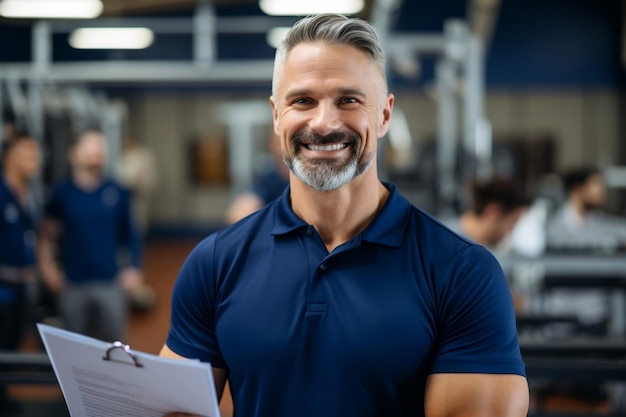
355	332
96	225
17	230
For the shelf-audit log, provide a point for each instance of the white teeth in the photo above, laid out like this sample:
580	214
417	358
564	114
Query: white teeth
333	147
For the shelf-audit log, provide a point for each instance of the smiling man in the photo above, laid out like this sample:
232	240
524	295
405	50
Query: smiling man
341	298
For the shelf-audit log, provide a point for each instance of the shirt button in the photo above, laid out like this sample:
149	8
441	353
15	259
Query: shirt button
323	267
309	232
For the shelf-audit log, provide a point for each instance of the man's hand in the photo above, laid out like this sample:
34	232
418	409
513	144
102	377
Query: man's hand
131	280
53	278
50	271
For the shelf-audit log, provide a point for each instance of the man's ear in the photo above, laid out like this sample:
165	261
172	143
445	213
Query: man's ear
274	114
385	117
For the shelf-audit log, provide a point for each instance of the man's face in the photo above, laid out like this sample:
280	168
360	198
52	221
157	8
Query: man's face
593	192
26	158
90	153
500	223
331	106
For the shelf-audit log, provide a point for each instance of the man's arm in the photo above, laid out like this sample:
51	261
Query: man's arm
130	236
50	272
476	395
219	375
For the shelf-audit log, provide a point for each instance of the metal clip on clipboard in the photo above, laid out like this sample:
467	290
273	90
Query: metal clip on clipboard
126	349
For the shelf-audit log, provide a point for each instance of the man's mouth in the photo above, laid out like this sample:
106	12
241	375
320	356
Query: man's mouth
328	148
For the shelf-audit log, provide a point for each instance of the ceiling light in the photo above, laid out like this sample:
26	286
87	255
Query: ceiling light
111	38
51	9
308	7
276	35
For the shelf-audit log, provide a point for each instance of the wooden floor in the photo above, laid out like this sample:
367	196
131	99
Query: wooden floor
146	332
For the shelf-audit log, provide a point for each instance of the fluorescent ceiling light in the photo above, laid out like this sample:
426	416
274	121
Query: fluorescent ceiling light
51	9
276	35
111	38
307	7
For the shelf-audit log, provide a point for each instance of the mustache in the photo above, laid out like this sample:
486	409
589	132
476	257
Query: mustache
317	139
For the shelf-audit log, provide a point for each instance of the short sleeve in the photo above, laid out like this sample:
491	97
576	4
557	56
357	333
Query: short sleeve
477	329
192	324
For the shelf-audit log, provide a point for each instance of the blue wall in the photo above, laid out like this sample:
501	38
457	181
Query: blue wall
536	43
557	43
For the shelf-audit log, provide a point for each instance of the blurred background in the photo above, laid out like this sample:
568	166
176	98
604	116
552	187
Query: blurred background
548	88
517	89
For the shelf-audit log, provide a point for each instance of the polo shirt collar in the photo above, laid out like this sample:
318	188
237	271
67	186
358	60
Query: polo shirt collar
285	220
387	228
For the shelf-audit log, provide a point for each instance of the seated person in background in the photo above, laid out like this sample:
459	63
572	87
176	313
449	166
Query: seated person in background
579	224
267	186
496	206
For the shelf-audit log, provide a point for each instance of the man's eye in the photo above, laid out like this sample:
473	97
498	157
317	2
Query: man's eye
302	101
348	100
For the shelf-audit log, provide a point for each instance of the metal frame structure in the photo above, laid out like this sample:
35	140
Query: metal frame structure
460	63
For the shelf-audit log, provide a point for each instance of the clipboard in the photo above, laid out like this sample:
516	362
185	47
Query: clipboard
100	379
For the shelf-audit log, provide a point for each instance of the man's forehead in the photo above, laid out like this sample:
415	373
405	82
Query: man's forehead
307	48
313	57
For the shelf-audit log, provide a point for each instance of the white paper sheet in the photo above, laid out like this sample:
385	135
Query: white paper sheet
95	387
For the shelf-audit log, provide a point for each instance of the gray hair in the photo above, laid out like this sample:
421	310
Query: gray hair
333	29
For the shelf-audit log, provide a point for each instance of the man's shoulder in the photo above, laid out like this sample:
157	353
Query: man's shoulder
439	231
257	225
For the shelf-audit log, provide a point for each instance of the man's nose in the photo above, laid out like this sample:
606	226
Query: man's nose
326	118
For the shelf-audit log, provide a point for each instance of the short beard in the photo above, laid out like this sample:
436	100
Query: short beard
328	174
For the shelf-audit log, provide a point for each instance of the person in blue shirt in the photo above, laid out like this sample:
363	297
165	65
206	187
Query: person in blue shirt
93	216
21	161
265	188
341	298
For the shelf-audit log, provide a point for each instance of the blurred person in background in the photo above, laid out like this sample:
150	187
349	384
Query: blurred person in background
21	161
138	173
496	206
580	224
266	187
100	245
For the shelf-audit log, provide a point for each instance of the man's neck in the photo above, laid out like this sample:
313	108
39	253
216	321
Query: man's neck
472	228
87	180
341	214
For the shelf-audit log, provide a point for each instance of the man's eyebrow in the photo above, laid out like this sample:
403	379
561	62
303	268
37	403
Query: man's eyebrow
340	91
297	93
352	92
